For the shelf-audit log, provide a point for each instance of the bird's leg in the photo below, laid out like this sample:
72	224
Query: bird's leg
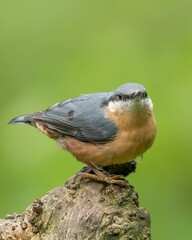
102	177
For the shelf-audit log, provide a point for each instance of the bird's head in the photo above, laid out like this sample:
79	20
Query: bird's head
130	97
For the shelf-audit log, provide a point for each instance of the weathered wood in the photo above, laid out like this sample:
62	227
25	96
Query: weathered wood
81	209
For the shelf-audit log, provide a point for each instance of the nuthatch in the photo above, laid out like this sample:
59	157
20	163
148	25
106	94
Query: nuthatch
100	129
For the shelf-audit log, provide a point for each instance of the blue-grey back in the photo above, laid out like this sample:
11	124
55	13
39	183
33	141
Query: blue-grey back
83	118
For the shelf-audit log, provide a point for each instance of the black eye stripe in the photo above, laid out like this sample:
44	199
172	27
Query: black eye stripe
120	97
124	97
144	95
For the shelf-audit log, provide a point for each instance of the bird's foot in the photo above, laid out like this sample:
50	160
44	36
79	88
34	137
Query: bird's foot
116	179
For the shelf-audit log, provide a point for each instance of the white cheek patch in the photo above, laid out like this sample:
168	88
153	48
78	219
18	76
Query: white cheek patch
149	103
119	106
112	107
122	106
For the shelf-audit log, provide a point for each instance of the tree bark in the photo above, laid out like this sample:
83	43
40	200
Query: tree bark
82	209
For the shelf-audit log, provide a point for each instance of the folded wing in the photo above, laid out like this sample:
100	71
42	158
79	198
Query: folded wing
83	118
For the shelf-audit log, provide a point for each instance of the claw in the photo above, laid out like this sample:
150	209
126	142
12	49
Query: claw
116	179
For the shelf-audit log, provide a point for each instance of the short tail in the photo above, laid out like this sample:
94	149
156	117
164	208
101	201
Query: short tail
26	119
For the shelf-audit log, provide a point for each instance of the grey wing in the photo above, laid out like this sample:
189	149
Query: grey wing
82	118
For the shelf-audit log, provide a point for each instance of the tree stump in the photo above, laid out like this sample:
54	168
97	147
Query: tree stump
82	209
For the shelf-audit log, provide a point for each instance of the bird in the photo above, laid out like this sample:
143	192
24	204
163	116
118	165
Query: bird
100	129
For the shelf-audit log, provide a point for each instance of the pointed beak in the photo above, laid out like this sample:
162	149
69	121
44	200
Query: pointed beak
136	95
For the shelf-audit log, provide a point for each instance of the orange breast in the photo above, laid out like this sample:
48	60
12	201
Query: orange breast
136	134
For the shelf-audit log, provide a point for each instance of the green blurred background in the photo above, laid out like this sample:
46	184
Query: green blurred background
54	50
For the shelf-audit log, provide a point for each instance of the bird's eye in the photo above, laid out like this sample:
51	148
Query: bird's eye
118	97
144	95
128	97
